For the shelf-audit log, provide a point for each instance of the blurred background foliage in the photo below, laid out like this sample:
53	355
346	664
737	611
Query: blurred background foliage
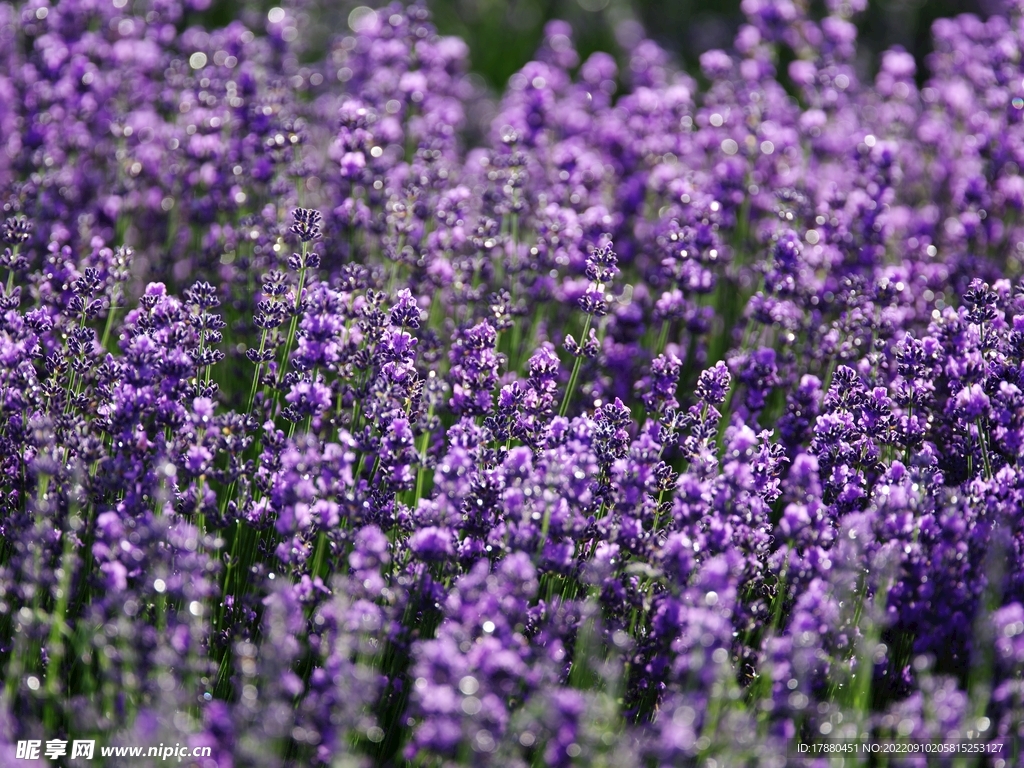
503	35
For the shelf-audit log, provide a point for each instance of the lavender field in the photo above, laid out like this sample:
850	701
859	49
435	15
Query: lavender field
354	416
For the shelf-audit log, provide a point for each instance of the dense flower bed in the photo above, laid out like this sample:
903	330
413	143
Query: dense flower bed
666	421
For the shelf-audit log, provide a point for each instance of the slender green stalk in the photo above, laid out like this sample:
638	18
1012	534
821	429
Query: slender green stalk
318	556
421	471
109	325
575	370
292	328
984	450
59	628
662	338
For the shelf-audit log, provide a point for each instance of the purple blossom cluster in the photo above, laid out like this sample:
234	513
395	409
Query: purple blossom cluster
668	421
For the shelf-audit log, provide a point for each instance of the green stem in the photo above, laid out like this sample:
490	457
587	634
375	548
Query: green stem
575	370
984	450
58	630
421	472
662	338
292	327
110	318
10	272
318	557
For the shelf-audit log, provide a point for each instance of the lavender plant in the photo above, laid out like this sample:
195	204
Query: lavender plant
672	422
